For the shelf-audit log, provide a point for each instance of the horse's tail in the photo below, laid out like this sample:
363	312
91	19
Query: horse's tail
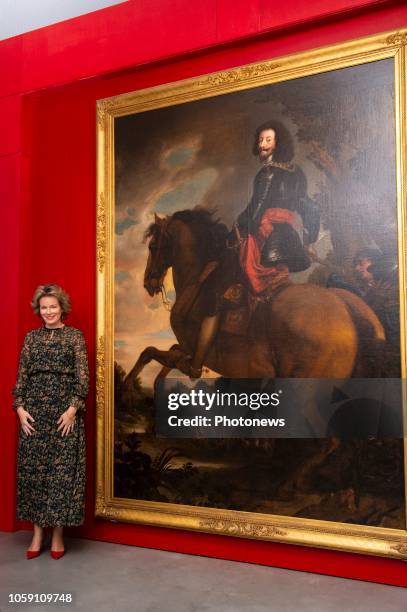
371	359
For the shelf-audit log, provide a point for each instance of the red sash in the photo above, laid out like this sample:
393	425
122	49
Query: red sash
260	277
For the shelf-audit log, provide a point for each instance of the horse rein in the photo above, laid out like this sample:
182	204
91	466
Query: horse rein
166	302
163	231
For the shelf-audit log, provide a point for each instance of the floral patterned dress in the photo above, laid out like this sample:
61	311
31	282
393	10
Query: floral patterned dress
51	474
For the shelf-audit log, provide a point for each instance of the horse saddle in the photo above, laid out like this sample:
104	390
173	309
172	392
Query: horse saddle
236	310
238	306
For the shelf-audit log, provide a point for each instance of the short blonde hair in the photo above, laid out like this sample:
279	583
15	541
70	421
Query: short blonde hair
51	290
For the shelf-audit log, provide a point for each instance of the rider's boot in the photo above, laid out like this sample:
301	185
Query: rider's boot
192	366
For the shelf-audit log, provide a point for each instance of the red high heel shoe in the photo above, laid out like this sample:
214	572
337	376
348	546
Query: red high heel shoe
57	554
31	554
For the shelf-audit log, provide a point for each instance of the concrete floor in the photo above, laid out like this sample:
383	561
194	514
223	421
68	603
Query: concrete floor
110	577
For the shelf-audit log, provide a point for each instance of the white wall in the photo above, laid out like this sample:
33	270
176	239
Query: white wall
18	16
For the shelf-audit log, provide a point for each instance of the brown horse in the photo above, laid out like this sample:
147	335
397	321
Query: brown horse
305	331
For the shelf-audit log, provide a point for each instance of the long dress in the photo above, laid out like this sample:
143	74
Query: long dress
51	473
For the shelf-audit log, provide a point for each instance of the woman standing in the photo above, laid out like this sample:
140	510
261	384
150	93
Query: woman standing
50	393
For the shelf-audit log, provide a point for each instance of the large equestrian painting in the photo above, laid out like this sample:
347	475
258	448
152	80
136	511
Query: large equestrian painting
257	235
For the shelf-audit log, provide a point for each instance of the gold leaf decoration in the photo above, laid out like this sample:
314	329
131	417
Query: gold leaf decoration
399	38
114	514
108	512
401	549
100	377
237	528
100	506
101	232
103	107
239	74
100	112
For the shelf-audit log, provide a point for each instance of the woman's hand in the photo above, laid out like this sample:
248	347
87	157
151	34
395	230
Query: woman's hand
24	417
66	421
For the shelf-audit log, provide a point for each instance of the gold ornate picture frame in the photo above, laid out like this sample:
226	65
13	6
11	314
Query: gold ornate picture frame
368	539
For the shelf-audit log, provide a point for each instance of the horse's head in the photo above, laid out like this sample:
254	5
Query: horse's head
184	241
159	254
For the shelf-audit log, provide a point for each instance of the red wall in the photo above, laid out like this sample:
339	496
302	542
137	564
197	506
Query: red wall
49	82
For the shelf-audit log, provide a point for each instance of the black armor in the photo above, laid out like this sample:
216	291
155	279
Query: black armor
282	185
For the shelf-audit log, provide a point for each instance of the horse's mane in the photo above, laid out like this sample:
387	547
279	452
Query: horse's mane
209	232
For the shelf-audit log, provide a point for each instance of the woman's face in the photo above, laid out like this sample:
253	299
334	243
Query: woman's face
50	311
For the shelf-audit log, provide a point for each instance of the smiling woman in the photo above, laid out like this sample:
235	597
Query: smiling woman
51	387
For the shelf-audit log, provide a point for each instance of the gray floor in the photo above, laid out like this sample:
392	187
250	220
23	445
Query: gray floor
110	577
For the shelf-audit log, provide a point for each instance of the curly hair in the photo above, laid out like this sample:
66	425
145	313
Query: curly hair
284	143
51	290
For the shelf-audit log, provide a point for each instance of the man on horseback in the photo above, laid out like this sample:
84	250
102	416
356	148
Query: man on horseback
265	234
